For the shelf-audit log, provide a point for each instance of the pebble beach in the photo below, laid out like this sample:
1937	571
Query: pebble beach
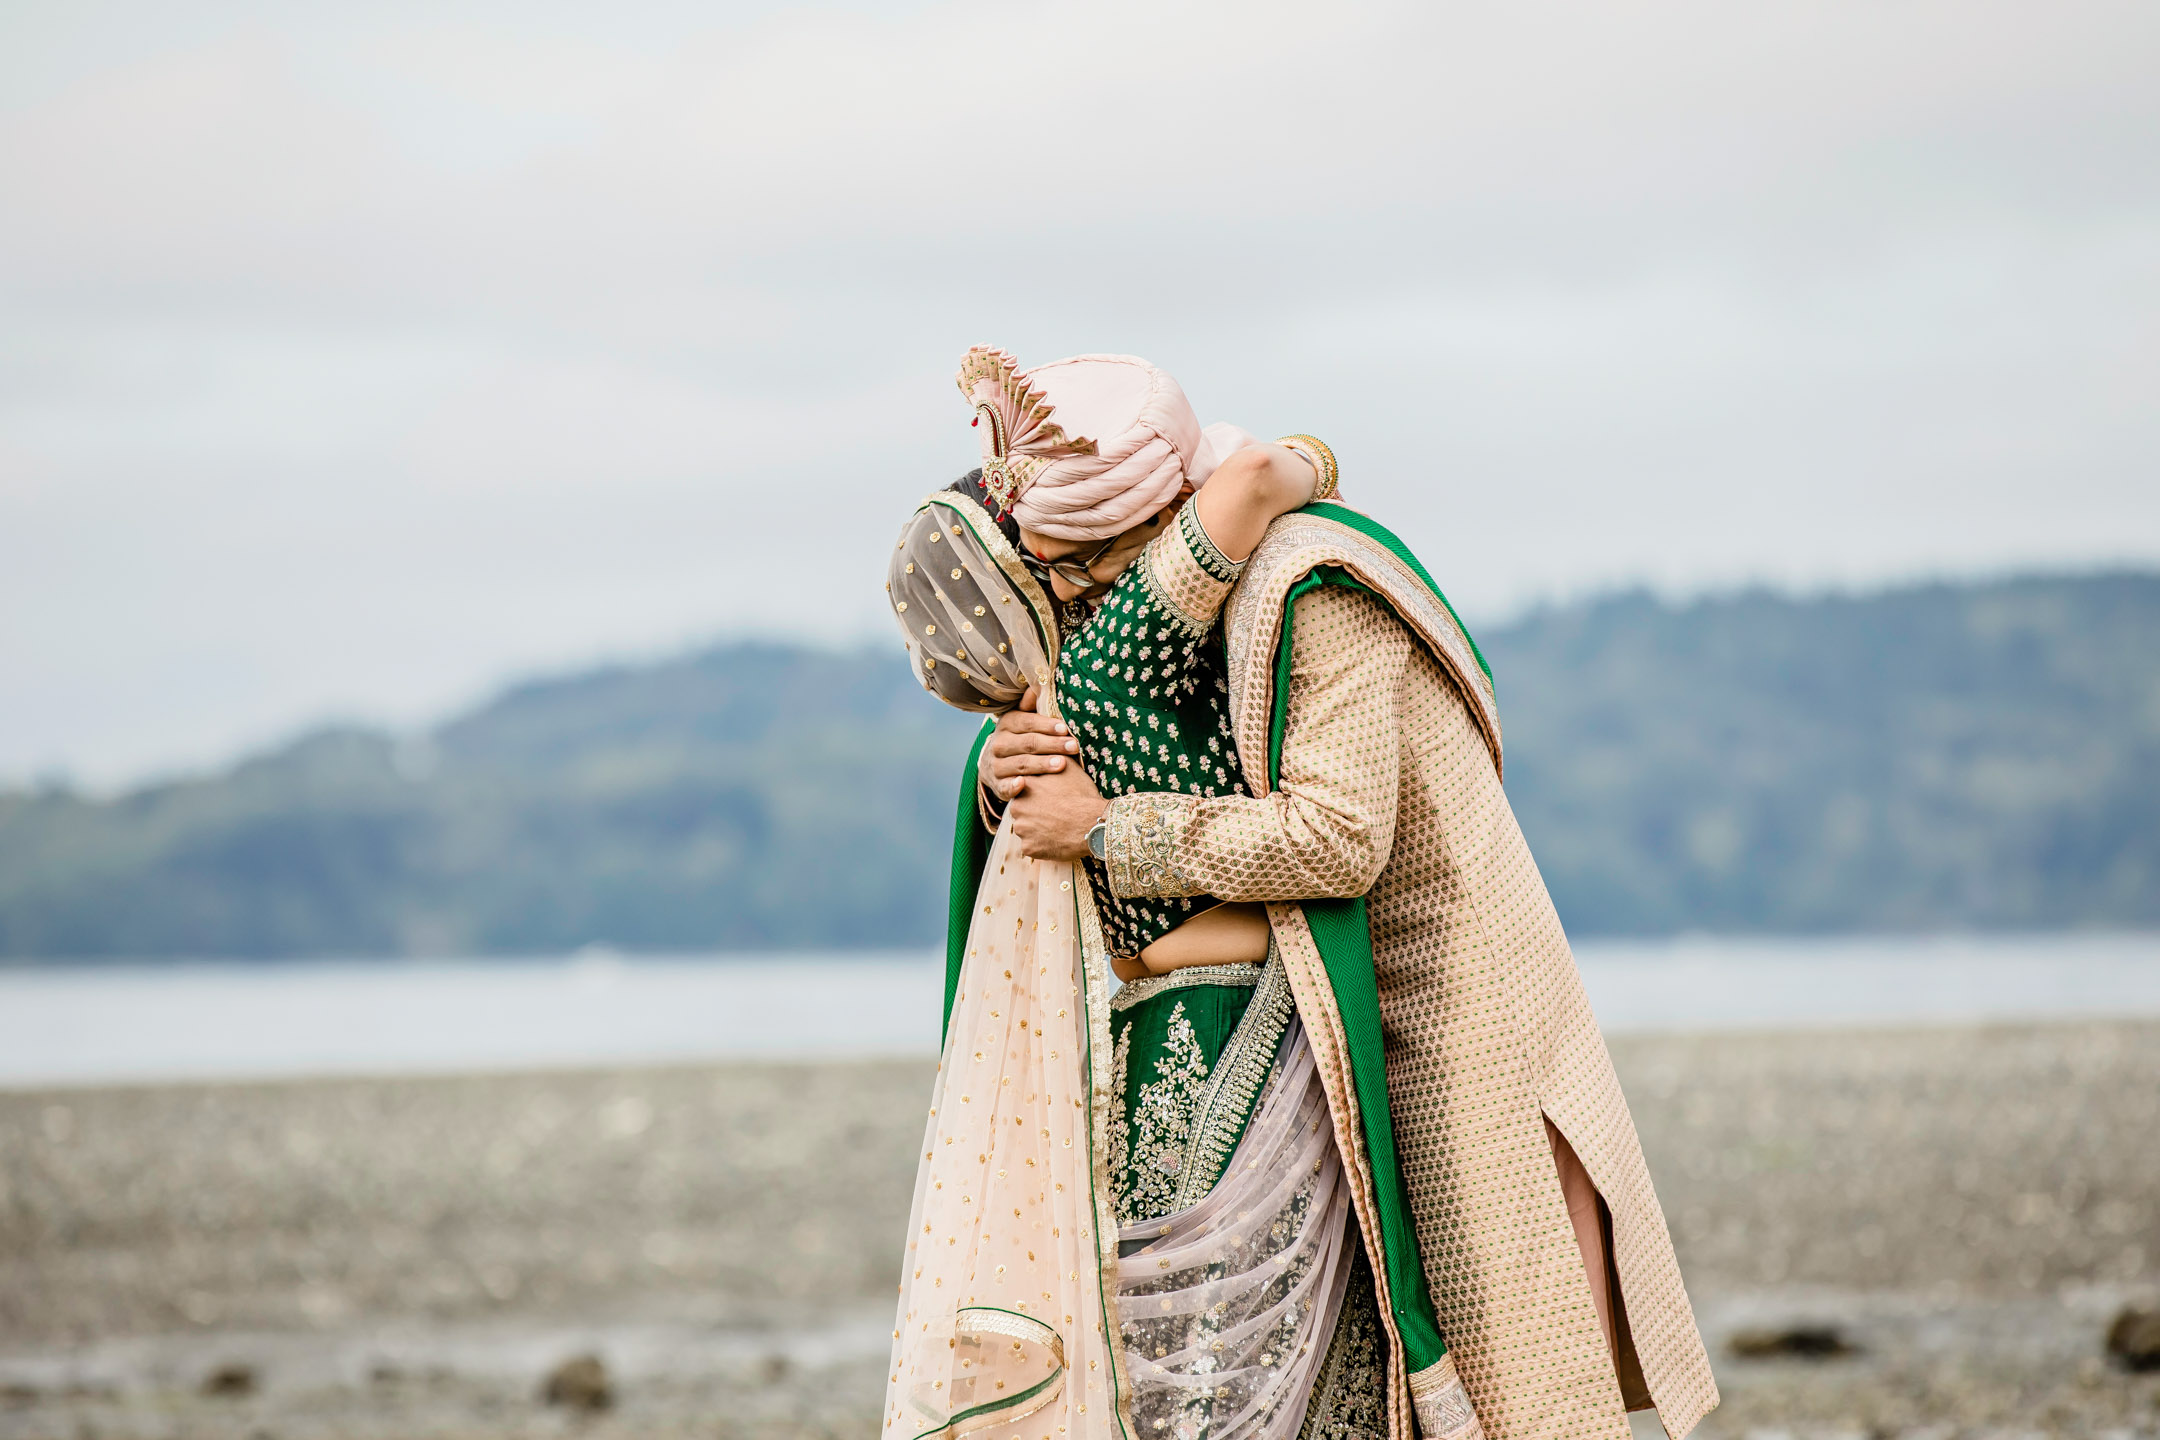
1922	1233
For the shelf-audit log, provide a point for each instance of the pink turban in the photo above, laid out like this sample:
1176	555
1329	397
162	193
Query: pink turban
1124	440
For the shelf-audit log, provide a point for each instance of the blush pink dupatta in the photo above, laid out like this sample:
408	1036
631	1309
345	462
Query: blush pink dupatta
1007	1313
1007	1320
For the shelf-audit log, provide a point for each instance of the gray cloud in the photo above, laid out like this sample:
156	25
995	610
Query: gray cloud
350	360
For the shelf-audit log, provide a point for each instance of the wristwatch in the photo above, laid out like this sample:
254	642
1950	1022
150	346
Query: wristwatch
1098	838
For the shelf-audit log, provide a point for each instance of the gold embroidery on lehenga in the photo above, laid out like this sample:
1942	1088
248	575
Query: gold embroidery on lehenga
1161	1121
1188	1411
1212	1115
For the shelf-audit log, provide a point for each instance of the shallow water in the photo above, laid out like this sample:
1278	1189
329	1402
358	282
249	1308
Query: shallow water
74	1025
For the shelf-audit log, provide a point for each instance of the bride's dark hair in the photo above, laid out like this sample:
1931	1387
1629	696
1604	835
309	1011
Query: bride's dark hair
971	485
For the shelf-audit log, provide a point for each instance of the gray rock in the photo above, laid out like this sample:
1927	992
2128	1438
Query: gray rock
2134	1339
230	1380
580	1383
1791	1342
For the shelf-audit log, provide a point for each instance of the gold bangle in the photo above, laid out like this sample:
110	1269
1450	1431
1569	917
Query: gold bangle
1313	448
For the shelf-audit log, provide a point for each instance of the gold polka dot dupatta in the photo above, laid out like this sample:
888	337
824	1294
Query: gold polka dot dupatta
1005	1324
1004	1314
966	621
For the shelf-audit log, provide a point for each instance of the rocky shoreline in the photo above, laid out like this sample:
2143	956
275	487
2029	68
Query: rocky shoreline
1963	1211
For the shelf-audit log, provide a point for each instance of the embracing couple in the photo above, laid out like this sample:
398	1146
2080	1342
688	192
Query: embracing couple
1270	1102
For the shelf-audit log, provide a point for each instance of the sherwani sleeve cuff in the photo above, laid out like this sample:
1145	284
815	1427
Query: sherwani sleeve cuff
1186	575
1140	842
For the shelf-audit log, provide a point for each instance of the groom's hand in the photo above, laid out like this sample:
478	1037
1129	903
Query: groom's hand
1054	813
1025	744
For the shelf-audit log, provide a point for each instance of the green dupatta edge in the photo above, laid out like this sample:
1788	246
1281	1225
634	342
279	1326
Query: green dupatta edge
970	852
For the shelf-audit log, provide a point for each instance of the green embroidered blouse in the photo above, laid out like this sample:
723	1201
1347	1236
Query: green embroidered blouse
1145	686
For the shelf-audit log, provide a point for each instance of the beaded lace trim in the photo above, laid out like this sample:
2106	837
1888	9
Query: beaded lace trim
1164	602
1241	1073
1135	991
1204	550
1184	576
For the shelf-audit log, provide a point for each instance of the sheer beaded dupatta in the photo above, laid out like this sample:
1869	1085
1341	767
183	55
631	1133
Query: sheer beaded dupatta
1005	1315
968	612
1229	1304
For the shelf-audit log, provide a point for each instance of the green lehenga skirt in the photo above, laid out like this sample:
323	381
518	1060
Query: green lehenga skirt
1196	1053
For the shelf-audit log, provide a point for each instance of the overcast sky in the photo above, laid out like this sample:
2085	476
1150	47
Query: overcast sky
354	358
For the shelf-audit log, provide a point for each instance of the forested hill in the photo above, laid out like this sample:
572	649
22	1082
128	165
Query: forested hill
747	797
1943	756
1969	756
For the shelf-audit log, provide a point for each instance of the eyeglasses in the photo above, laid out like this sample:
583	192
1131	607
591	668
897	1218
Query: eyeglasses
1072	568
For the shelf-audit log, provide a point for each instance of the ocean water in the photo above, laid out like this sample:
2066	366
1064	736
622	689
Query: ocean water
99	1024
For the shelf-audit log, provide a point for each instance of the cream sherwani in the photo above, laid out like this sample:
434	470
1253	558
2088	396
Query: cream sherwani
1390	787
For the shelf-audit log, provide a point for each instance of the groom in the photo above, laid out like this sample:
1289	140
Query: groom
1367	731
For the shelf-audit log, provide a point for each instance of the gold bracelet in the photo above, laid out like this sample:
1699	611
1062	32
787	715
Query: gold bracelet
1313	448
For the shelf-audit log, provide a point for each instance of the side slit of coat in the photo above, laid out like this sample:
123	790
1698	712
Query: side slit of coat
1592	1222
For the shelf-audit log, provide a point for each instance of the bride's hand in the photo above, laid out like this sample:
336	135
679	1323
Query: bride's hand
1024	744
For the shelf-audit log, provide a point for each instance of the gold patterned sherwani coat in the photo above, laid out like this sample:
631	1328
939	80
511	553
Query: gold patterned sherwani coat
1377	773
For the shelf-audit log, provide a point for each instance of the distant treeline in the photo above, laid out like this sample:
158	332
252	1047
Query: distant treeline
1946	756
1963	756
